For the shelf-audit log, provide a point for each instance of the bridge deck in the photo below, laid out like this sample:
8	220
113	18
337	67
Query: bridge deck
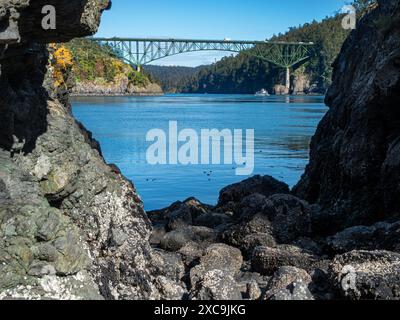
255	42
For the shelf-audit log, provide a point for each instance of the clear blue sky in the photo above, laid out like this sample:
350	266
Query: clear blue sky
210	19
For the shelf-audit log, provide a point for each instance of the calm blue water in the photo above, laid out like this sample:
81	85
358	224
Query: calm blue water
283	128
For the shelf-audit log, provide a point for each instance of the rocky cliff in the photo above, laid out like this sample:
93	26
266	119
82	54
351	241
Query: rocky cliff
120	88
71	227
354	169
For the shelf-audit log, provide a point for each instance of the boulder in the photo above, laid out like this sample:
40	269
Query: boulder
250	206
309	245
216	285
281	218
267	260
177	239
253	291
180	218
169	290
191	205
289	283
252	241
367	275
290	217
297	291
380	236
265	186
249	234
217	257
167	264
212	220
180	214
191	253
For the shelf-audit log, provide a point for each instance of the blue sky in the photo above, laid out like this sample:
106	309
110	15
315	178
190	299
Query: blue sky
210	19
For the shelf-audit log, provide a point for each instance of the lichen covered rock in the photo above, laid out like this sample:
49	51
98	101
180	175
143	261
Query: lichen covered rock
63	211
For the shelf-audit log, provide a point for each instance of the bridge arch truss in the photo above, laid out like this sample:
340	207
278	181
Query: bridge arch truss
140	52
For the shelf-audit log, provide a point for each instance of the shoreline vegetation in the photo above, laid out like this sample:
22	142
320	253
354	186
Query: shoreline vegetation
97	72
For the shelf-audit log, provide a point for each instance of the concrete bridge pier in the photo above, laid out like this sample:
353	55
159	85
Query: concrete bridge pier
287	80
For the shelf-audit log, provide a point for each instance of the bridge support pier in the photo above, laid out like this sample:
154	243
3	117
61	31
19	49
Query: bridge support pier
287	80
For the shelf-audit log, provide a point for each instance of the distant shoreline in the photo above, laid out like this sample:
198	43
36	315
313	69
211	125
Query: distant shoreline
155	94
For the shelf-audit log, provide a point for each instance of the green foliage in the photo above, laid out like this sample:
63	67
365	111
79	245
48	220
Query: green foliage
171	78
94	63
138	79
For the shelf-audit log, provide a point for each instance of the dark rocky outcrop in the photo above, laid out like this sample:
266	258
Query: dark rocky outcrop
122	87
382	235
71	227
177	239
354	168
367	275
265	186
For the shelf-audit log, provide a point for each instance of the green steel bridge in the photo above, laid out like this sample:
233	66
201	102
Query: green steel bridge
139	52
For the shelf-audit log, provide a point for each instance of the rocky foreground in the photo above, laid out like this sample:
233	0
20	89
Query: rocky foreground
260	242
72	227
337	233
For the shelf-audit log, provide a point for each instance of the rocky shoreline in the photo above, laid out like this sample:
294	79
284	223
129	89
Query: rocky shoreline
73	227
123	88
116	95
262	242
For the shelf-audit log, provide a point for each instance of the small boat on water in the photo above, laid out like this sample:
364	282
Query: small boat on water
262	93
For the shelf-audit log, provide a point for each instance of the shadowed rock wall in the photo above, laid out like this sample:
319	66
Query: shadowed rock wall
71	227
355	154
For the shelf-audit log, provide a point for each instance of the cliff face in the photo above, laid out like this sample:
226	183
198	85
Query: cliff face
122	87
354	169
70	225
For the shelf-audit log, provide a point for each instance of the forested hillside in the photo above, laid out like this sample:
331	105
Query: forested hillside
98	71
245	73
171	78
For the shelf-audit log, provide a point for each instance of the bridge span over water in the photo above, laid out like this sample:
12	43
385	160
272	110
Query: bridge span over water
141	51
